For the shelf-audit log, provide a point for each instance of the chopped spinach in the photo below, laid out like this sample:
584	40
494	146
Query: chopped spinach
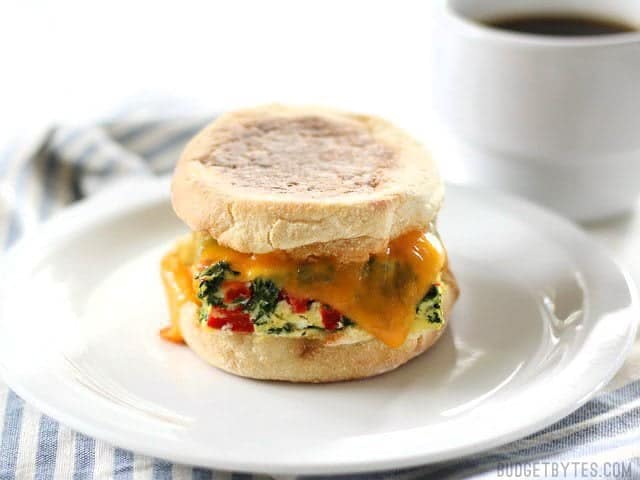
347	322
204	313
263	301
403	275
313	327
430	307
434	316
210	280
315	272
431	294
286	328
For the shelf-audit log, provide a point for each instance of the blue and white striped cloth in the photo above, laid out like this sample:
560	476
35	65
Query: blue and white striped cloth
69	164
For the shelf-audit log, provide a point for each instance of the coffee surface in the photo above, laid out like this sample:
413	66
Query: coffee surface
568	25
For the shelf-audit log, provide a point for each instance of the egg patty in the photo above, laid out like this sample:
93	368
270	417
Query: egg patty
259	306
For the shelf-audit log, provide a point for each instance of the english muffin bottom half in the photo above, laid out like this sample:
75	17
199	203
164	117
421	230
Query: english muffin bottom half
314	255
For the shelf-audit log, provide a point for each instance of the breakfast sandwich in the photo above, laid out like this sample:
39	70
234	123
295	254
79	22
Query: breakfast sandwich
314	255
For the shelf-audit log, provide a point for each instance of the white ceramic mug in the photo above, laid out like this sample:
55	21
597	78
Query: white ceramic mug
556	119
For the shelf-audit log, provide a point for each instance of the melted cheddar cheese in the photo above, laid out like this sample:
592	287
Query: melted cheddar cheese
176	269
380	295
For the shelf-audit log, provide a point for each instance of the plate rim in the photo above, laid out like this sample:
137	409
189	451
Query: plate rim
149	191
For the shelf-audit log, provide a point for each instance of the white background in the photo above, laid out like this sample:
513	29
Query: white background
78	61
74	61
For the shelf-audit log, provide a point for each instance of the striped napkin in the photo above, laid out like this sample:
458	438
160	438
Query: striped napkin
599	440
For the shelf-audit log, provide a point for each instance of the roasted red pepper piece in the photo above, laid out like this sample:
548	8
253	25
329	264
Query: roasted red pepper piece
330	317
236	320
298	304
235	290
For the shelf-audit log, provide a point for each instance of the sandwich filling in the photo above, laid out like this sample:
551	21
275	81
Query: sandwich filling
394	293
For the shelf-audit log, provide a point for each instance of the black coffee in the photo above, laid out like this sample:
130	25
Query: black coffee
562	25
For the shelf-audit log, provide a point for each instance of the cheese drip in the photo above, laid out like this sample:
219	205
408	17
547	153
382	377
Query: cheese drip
379	295
176	269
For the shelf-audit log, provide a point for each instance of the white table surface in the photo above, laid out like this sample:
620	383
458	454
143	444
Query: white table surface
75	62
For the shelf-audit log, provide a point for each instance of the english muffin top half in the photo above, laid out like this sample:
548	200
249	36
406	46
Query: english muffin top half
310	181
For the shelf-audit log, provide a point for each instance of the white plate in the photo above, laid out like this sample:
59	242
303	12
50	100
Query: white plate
544	320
